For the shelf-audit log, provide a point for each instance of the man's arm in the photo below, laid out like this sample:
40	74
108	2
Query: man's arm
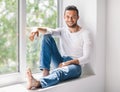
75	61
36	32
42	30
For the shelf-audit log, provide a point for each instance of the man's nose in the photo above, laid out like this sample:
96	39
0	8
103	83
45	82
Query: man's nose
70	18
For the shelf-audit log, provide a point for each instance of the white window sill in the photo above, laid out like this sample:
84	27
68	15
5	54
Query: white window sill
21	87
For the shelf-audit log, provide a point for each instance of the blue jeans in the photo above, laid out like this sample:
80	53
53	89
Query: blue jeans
49	52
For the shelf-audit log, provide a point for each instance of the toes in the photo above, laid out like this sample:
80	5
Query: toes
29	87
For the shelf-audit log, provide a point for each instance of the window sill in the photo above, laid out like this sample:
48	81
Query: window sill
21	87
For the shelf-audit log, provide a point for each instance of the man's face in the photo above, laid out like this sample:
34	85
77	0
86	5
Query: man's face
71	18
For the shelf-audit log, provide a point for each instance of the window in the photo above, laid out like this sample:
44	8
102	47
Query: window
39	13
17	17
8	36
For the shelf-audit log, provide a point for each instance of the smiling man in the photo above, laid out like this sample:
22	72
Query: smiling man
75	49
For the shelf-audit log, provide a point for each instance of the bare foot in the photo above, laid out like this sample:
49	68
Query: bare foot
31	82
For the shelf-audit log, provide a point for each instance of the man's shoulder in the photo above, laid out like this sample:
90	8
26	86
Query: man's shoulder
86	31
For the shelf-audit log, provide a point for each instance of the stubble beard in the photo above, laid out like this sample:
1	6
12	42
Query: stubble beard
72	26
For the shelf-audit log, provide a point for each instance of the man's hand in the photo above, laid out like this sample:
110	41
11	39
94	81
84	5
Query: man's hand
32	35
75	61
36	31
62	64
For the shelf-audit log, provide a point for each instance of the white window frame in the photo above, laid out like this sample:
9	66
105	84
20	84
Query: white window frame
60	13
19	77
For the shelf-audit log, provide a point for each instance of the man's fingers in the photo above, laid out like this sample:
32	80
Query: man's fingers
37	33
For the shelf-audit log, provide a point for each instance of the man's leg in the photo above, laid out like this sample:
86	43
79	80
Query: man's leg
49	51
61	74
45	72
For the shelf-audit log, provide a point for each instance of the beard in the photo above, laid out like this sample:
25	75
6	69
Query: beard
71	25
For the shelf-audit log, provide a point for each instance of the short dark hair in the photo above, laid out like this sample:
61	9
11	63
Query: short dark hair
72	7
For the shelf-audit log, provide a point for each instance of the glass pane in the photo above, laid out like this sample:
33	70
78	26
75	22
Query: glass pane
8	36
39	13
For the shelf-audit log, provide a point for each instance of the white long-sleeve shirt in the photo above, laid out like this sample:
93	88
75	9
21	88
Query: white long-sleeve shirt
76	45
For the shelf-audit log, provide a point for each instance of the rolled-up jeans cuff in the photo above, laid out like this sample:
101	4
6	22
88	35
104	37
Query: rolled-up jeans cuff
41	68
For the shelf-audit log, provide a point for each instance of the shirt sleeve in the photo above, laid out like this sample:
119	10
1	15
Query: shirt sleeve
54	32
87	48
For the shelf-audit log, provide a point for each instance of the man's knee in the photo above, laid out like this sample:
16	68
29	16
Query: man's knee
46	36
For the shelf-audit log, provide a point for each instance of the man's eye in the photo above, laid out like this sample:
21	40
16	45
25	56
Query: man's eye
67	16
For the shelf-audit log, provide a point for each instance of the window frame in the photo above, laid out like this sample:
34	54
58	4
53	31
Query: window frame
18	77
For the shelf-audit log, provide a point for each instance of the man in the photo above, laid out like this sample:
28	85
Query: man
75	46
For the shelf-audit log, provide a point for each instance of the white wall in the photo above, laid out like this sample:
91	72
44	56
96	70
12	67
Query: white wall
113	46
